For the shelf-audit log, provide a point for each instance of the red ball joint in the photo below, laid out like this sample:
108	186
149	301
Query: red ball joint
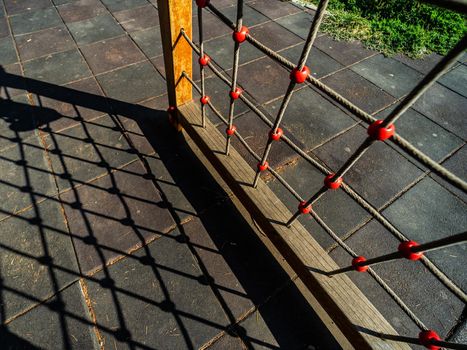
426	337
355	264
204	100
202	3
331	183
231	131
204	61
171	109
263	167
236	93
405	248
240	36
379	133
276	136
299	76
303	208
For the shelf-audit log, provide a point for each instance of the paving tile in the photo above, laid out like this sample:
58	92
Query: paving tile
261	85
390	75
44	42
80	10
31	242
321	121
12	82
273	9
212	27
16	120
4	30
68	326
424	134
133	214
307	180
143	81
149	41
298	23
421	291
444	107
274	36
111	54
151	289
59	68
241	269
218	91
255	132
14	7
358	90
458	165
119	5
138	18
423	65
319	63
31	21
251	17
7	47
344	52
392	171
86	151
95	29
429	212
62	2
73	103
30	173
221	50
456	80
287	322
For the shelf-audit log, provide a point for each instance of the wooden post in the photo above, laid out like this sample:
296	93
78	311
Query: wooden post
175	15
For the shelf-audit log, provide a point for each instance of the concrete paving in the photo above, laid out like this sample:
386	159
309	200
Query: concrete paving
113	235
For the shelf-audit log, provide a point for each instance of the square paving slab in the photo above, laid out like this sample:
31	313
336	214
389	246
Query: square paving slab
95	29
31	21
68	326
44	42
114	215
36	257
149	291
79	10
138	18
379	175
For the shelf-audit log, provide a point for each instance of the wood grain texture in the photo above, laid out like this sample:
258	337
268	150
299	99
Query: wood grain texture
357	319
173	16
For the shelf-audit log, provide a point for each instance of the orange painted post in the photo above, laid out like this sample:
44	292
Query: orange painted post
175	15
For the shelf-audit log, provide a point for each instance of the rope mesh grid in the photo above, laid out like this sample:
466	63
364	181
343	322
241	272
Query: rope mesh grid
378	131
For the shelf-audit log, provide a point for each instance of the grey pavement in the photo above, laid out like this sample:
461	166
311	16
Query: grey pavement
113	234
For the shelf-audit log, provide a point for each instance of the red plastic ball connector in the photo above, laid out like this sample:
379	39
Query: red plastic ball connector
331	183
171	110
202	3
276	136
204	61
377	132
263	167
240	36
204	100
356	261
231	131
303	208
236	93
405	248
426	337
299	76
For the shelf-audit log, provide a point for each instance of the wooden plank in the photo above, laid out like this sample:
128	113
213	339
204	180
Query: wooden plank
173	16
343	302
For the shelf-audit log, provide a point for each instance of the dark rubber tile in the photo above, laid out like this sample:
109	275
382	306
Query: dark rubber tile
80	10
31	21
95	29
138	18
344	52
149	41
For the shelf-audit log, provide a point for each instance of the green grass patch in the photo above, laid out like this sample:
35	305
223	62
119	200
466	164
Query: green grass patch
395	26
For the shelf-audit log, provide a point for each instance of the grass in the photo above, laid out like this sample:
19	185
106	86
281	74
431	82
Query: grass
395	26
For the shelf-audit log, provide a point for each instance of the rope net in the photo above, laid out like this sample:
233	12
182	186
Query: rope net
382	130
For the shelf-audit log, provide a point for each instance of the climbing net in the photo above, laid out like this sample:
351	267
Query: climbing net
378	131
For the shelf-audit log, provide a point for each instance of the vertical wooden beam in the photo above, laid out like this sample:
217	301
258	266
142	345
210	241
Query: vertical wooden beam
173	16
